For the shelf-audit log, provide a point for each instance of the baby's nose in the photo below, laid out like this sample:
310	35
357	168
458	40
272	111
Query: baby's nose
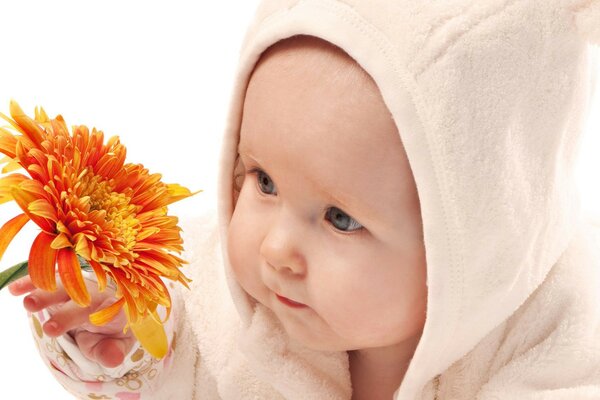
283	244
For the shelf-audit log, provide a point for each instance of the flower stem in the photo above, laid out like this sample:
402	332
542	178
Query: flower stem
13	273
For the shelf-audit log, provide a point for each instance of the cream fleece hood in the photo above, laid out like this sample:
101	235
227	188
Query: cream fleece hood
490	98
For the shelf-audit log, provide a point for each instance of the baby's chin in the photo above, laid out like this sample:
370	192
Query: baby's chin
320	338
314	334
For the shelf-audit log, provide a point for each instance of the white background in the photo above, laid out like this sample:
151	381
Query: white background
159	76
156	74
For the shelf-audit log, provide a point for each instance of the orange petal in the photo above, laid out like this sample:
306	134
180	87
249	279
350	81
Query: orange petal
8	143
81	245
9	230
100	274
11	164
146	232
6	184
42	208
42	262
178	192
59	126
61	241
71	277
107	314
40	115
23	198
131	308
29	127
184	280
165	300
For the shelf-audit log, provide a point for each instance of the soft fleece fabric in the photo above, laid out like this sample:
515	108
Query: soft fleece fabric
490	98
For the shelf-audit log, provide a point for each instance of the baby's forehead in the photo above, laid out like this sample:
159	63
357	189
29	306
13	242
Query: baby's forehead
308	96
312	114
309	60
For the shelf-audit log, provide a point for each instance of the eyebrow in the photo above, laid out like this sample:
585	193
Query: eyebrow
242	149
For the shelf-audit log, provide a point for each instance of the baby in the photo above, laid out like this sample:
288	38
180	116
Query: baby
328	213
326	230
397	217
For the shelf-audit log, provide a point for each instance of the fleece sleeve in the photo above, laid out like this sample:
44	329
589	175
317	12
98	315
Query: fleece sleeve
564	365
141	376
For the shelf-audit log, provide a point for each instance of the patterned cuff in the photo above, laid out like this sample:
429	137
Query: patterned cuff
139	373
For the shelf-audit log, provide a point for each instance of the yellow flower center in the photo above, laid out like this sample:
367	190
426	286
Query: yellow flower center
119	212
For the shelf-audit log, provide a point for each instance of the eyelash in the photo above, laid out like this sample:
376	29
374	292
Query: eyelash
354	223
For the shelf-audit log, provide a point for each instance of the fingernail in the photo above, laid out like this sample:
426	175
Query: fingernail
13	289
51	326
30	302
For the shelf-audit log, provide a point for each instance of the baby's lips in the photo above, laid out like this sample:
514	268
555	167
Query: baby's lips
290	302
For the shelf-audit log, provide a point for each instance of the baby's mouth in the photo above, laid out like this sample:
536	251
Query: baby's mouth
290	303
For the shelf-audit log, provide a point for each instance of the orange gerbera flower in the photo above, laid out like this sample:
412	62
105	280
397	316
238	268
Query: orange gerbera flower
91	205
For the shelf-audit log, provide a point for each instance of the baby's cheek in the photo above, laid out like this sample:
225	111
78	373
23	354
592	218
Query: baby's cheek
235	245
243	257
339	300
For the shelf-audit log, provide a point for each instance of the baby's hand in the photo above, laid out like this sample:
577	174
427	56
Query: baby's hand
106	344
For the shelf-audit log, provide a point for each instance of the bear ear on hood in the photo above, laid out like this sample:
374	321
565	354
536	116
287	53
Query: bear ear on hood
586	16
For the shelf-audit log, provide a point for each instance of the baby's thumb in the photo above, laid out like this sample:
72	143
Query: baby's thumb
110	352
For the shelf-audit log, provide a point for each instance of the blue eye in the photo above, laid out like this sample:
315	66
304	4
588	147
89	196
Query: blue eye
339	219
337	216
263	179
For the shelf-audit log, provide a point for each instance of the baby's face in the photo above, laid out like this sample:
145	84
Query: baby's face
328	213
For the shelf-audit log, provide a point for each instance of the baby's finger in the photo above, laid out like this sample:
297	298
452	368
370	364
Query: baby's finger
109	351
21	286
69	316
39	299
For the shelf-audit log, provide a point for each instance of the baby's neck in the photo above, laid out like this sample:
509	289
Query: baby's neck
375	375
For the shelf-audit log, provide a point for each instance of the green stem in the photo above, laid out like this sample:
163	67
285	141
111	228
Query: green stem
13	273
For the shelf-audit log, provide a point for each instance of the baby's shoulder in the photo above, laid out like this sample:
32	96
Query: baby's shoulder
199	227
